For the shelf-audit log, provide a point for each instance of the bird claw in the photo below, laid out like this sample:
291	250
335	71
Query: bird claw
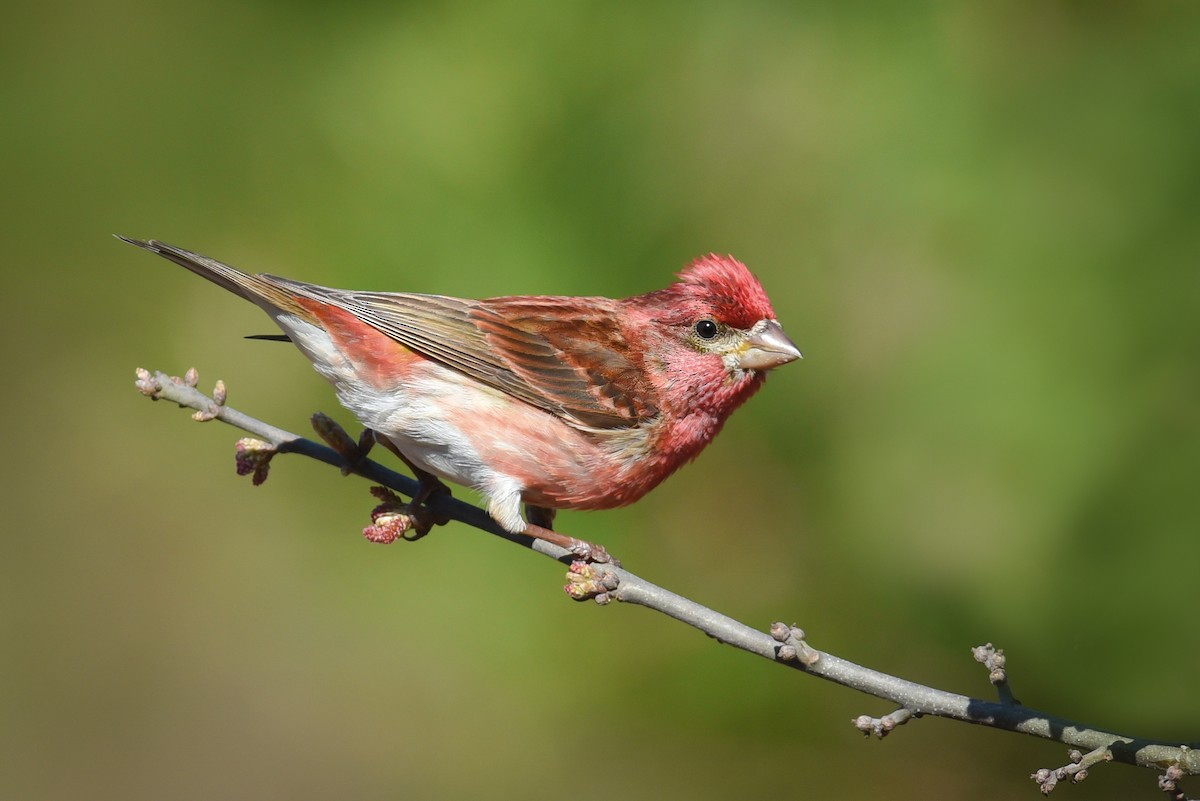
582	550
394	519
591	552
429	485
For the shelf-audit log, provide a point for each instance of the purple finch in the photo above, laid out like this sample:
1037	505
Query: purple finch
555	402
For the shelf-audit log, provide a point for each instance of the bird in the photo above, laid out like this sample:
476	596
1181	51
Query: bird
548	401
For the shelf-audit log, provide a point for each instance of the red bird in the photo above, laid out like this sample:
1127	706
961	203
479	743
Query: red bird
557	402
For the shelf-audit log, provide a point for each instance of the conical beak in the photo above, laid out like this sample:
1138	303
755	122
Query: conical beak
768	347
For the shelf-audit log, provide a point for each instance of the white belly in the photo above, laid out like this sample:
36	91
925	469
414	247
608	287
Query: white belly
418	417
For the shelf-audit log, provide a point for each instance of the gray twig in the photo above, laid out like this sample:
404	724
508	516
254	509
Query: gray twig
784	645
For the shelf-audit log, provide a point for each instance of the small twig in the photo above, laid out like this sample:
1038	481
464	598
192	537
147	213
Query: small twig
882	727
792	647
606	583
1076	770
994	660
1168	782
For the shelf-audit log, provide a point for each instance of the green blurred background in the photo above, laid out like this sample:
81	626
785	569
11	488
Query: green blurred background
979	222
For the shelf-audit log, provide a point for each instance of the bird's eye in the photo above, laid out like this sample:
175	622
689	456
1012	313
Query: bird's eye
706	329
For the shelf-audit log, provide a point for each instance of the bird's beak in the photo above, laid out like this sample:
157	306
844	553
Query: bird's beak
768	347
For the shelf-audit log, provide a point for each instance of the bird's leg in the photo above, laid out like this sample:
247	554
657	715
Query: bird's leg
393	518
540	526
581	549
542	516
428	485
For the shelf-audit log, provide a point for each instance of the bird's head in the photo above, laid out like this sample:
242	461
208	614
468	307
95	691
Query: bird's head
718	308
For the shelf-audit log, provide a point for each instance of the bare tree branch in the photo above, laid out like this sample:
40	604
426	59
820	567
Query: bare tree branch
784	645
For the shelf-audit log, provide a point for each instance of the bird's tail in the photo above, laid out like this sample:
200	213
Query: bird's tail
258	289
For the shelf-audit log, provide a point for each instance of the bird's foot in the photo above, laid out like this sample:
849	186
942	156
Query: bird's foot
591	552
429	484
396	519
581	549
352	453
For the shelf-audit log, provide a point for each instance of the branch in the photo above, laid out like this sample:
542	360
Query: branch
783	645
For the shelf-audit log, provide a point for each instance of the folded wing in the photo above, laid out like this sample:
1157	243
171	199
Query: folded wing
565	355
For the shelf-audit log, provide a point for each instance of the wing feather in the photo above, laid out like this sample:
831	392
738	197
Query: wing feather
567	356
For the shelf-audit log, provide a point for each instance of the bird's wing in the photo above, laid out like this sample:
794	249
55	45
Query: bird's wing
565	355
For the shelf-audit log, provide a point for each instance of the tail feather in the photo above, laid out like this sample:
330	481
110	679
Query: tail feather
255	288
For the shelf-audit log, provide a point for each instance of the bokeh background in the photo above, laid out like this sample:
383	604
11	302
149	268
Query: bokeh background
979	222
